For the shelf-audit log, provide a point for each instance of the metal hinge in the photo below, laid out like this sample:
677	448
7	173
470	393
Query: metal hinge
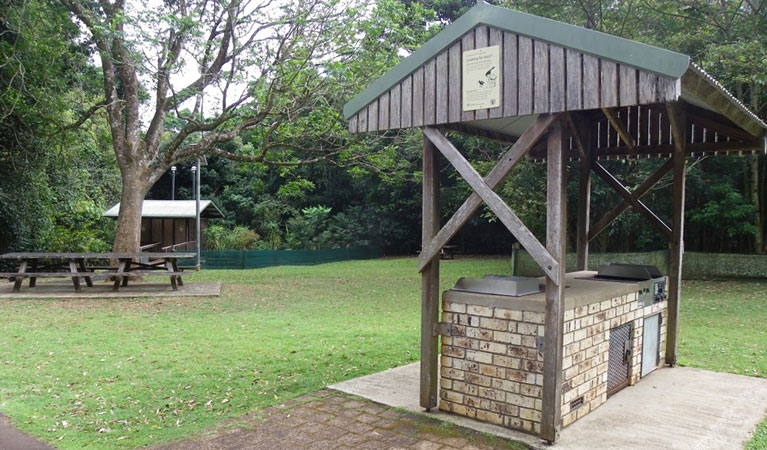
442	329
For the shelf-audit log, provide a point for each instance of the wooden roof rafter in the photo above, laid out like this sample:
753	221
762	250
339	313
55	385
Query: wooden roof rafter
644	131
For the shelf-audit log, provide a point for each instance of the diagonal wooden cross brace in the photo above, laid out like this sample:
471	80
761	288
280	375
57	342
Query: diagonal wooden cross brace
608	218
620	127
630	199
635	203
525	237
493	179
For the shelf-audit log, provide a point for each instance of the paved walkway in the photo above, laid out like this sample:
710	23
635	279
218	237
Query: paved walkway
333	420
671	409
13	439
100	290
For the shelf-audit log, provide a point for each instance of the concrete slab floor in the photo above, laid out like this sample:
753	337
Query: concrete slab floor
100	289
679	408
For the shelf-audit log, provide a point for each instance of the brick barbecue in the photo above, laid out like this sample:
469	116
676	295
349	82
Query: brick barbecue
492	350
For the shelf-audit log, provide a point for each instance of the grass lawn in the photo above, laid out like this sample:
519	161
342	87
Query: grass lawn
132	372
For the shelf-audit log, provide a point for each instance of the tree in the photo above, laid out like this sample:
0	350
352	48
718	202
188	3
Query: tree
729	39
53	184
258	68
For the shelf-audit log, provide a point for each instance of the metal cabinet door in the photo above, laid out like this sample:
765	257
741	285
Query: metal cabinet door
650	344
619	358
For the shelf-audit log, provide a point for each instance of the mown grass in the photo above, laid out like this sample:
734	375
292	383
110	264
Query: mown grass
724	328
132	372
126	373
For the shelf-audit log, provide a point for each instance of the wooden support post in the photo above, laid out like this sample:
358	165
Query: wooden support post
82	268
73	271
582	135
33	279
118	278
584	208
169	268
429	279
581	130
18	280
676	243
583	141
174	263
556	233
127	269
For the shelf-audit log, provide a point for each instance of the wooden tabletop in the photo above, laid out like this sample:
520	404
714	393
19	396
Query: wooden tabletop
106	255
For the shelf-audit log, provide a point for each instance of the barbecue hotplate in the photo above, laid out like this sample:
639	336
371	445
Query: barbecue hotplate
499	285
618	271
652	284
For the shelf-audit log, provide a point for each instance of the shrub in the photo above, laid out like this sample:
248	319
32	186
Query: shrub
219	237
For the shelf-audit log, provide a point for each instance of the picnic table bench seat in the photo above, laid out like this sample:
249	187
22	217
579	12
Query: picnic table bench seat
78	266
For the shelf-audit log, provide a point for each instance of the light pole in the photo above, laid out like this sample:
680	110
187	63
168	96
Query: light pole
173	182
196	186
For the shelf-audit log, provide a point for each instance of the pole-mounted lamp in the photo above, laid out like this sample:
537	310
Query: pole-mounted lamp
196	196
172	182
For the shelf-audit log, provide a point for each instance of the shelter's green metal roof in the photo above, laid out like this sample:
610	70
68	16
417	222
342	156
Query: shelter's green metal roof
624	51
172	209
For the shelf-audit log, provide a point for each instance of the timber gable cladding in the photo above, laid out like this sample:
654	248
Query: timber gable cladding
536	78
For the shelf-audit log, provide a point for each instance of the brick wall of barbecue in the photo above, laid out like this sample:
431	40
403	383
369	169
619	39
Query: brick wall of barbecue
492	371
586	350
491	368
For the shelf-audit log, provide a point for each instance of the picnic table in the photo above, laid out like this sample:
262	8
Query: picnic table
90	266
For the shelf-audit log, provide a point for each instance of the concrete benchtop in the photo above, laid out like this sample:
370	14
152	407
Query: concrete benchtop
579	290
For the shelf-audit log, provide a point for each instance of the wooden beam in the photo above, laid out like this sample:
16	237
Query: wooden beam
620	127
556	234
645	187
582	135
584	210
577	125
668	149
493	179
481	132
676	240
661	151
722	129
637	204
525	237
429	279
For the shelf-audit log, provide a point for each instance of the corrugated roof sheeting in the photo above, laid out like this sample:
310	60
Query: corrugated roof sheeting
181	209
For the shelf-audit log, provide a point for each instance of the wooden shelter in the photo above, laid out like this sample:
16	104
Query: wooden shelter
168	225
556	93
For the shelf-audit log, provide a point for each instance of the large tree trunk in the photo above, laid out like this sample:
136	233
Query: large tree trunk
128	235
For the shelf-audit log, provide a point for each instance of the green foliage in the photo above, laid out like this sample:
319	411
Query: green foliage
726	212
219	237
309	230
759	440
53	184
296	189
80	228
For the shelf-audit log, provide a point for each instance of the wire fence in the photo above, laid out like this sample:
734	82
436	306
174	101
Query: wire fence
695	266
253	259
